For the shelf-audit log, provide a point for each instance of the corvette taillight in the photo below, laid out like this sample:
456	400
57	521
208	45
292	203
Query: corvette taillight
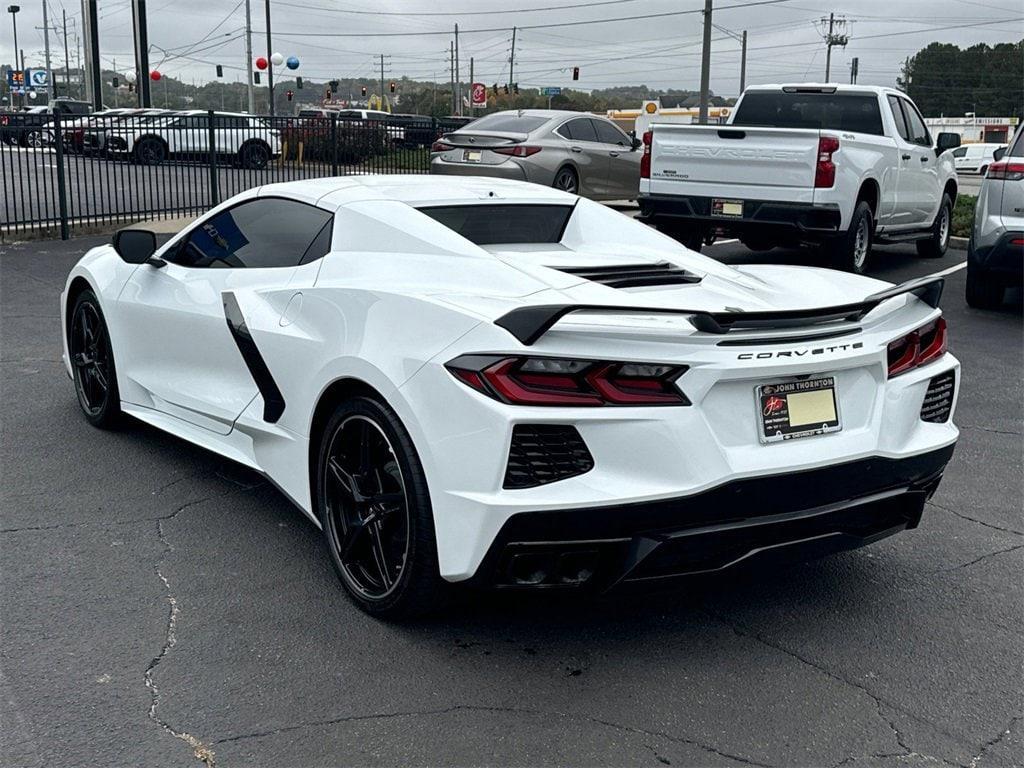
562	381
918	347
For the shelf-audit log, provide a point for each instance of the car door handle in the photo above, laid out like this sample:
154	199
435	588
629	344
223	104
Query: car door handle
905	157
924	158
613	154
576	149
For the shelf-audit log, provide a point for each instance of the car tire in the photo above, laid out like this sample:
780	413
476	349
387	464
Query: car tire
35	140
567	180
935	245
983	291
690	236
983	170
254	155
850	252
389	568
756	244
92	362
149	151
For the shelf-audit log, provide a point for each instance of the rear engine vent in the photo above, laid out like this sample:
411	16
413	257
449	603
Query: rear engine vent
938	400
544	453
634	275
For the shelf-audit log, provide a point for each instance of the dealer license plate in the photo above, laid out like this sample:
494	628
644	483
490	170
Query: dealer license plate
471	155
727	208
793	409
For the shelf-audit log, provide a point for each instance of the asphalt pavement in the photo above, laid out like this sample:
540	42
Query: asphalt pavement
160	606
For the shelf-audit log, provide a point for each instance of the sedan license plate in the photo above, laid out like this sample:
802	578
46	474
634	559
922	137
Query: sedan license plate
727	208
471	155
793	409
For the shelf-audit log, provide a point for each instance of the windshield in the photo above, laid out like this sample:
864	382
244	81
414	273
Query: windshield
508	122
855	112
491	224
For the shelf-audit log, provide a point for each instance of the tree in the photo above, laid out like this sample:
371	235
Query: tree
944	79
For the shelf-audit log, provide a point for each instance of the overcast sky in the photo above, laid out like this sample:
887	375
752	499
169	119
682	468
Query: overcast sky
343	38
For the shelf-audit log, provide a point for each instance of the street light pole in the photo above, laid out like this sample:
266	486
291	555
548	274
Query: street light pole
13	10
705	66
270	64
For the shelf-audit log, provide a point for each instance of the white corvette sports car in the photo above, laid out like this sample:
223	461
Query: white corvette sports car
485	381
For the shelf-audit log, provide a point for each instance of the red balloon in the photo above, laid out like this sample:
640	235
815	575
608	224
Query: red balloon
261	63
154	75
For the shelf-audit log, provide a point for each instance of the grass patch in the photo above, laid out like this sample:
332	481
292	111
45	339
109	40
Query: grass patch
963	215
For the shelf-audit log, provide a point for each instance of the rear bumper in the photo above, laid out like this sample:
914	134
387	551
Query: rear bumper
790	516
1005	258
761	216
507	170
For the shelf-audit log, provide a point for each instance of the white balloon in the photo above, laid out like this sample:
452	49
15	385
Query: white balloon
130	77
277	59
31	94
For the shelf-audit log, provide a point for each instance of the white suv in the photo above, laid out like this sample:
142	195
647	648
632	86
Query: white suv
248	140
975	158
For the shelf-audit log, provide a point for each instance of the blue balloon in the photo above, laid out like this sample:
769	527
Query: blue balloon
293	62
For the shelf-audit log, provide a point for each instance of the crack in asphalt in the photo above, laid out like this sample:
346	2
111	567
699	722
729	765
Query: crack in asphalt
986	556
200	751
974	519
976	760
505	710
989	429
878	701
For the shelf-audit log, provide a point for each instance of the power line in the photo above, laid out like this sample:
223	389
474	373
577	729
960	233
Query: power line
306	6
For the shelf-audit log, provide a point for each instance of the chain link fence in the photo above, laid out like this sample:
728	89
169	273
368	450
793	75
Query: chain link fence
63	172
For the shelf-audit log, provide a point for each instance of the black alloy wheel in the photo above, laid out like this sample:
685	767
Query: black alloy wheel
150	151
372	497
255	156
92	362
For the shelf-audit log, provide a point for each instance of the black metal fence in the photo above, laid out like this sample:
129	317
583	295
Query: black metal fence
66	172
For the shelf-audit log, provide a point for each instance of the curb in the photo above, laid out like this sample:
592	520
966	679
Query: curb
959	242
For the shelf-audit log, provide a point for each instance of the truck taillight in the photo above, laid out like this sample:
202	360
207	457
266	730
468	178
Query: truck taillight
1006	170
825	171
645	159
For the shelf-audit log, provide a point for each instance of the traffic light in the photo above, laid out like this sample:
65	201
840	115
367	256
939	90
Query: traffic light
391	85
114	82
256	77
495	89
327	94
363	89
506	89
575	73
298	83
289	93
515	88
220	70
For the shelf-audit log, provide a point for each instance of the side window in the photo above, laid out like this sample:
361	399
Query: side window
269	232
897	115
918	132
321	244
579	129
609	134
959	151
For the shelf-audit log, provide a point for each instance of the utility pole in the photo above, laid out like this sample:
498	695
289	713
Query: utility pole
458	75
270	64
833	38
451	73
743	64
512	60
705	65
248	56
13	10
472	110
854	70
46	45
93	82
67	58
382	81
141	28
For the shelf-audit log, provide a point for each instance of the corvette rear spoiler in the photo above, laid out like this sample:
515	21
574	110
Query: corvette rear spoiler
528	324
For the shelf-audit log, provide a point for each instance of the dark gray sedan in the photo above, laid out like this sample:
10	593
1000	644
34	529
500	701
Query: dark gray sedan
576	152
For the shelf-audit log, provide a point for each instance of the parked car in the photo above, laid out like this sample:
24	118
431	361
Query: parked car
27	128
93	138
839	167
995	251
578	153
374	117
481	382
974	158
246	139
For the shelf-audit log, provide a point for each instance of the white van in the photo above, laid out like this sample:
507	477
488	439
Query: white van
974	158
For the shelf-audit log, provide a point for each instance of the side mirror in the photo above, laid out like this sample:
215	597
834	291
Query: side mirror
946	141
999	154
135	246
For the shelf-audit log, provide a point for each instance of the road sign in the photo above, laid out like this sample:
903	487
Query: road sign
37	78
479	95
551	91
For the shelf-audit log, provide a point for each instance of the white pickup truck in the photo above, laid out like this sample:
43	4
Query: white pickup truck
835	166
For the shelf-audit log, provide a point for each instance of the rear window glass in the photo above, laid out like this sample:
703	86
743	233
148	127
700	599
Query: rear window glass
490	224
510	123
854	112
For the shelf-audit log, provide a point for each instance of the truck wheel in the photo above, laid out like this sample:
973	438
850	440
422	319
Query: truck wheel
689	236
983	292
934	246
757	244
850	252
